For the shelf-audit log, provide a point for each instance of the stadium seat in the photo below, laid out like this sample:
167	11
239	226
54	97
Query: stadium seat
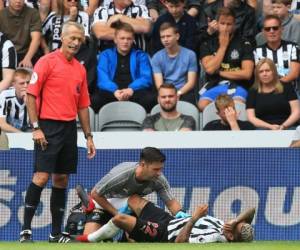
210	113
121	116
185	108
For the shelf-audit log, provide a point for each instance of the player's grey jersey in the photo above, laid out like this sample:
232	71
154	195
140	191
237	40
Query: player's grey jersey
206	229
120	182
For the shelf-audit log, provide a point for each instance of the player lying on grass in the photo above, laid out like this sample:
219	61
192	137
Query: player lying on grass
153	224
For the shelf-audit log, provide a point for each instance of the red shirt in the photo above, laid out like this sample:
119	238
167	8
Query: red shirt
60	87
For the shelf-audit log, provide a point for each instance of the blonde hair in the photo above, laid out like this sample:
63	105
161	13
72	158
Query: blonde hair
276	83
224	101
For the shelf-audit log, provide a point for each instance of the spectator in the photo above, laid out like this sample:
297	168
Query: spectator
290	24
169	119
22	25
13	111
271	104
227	59
245	21
8	62
284	54
124	73
228	116
185	24
125	11
175	64
66	11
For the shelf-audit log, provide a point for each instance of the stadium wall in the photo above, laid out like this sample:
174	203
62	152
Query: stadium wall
229	171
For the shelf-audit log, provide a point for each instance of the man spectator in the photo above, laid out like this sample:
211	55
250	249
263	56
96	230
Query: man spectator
198	228
168	119
124	73
284	54
8	62
22	25
228	116
227	59
13	111
245	21
125	11
175	64
290	24
110	194
185	24
57	93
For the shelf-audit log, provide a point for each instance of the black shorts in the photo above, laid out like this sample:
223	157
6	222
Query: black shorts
98	216
61	154
152	225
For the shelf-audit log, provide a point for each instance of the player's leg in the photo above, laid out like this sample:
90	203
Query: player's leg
137	204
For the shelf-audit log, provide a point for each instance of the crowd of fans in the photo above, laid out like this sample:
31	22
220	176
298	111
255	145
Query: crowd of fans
245	50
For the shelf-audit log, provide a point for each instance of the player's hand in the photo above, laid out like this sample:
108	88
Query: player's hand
182	214
39	138
91	206
200	212
91	150
230	225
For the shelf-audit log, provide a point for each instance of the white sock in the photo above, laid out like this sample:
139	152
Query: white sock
108	231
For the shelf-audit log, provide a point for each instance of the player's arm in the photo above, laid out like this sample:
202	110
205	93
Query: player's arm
185	232
246	216
173	206
103	202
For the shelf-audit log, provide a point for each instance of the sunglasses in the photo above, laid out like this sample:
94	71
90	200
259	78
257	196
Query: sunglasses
274	28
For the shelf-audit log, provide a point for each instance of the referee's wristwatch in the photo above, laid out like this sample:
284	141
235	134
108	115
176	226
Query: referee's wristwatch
87	135
35	126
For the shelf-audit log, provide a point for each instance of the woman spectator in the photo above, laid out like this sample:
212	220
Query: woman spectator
271	104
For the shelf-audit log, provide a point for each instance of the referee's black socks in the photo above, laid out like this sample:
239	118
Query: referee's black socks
57	207
32	200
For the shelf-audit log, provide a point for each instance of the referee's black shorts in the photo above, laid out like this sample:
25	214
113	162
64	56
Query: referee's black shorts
61	154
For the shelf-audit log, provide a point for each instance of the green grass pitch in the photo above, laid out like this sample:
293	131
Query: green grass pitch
259	245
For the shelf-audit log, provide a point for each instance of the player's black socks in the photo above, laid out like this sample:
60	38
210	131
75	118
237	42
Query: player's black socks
32	200
57	207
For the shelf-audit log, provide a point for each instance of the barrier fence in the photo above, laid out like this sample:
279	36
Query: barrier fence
229	180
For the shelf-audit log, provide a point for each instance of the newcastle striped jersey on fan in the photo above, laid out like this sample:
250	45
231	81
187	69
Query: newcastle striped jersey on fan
286	53
206	229
14	112
8	55
102	14
53	24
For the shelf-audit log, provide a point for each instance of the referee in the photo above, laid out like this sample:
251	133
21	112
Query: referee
56	94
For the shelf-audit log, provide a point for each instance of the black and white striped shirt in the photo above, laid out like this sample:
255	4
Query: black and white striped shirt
14	111
288	52
53	24
103	13
8	55
207	229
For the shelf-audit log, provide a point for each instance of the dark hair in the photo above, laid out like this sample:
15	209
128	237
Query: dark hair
269	17
224	11
168	25
167	86
119	25
151	154
175	1
284	2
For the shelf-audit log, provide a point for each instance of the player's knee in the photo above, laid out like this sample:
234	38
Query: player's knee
40	179
60	180
119	219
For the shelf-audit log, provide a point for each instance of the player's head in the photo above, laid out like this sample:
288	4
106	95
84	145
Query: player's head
167	97
223	102
151	162
243	232
21	79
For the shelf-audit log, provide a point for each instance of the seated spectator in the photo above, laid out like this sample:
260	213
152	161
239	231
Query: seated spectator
227	59
124	73
169	119
185	24
175	64
228	116
22	25
52	26
296	138
284	54
125	11
13	112
8	62
271	104
290	24
245	21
